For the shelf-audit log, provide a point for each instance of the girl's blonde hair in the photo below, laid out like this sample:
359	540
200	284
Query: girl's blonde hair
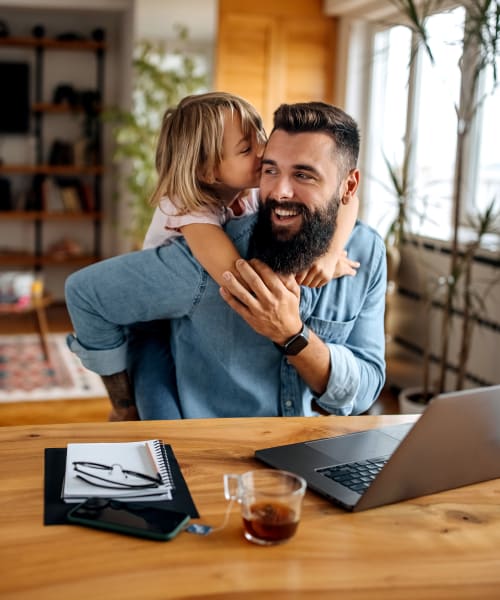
190	147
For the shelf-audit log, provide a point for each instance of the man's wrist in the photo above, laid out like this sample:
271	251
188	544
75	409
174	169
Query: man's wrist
296	343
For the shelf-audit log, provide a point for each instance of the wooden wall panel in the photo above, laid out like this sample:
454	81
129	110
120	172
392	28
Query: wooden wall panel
274	52
308	56
245	62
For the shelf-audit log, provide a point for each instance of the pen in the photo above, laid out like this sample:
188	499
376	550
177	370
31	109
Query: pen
155	466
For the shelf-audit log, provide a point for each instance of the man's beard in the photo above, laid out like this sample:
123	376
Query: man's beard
298	253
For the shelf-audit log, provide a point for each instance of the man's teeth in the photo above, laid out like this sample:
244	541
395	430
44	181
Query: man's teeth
283	213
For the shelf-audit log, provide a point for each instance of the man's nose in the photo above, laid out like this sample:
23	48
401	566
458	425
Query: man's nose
282	189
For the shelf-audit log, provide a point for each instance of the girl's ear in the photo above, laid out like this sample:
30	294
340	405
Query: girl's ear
350	186
206	176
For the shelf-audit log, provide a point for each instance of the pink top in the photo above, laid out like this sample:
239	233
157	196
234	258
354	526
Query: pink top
166	221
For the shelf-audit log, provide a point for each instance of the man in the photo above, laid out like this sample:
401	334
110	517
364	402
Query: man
268	347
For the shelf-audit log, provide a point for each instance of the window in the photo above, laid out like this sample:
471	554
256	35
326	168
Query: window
488	155
385	140
412	105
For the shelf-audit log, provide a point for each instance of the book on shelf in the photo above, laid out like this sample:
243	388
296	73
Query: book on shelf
71	199
137	471
52	199
86	193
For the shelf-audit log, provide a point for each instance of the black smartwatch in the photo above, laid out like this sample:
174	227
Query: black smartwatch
295	344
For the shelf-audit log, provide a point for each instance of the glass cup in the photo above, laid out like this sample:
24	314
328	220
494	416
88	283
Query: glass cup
270	501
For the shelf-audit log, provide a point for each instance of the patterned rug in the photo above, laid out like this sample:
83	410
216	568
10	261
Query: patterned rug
25	375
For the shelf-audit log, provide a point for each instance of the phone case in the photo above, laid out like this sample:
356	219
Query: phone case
77	516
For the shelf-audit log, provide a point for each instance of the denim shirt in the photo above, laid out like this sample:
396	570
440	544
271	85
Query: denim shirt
224	368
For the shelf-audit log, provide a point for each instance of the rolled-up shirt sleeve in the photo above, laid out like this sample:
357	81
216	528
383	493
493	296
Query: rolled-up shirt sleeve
357	367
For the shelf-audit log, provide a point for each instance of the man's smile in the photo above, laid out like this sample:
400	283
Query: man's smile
284	213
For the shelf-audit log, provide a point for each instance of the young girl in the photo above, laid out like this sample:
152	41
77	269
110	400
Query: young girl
208	161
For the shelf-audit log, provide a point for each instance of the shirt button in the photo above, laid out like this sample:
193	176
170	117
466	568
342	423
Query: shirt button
288	403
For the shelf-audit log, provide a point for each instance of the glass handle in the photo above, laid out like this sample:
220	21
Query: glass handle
231	486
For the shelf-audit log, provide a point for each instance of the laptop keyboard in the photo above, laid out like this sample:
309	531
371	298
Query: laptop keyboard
356	476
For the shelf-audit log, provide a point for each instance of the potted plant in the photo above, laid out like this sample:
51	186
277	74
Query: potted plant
480	49
399	188
162	79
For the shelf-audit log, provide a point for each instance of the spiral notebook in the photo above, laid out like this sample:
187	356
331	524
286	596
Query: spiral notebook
132	470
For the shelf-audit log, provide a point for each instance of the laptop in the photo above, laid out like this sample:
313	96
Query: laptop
455	442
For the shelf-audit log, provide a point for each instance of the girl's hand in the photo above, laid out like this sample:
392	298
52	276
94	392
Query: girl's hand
326	268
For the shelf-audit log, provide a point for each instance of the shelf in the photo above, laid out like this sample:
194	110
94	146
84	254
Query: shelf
73	261
51	170
21	259
50	43
37	215
67	204
56	109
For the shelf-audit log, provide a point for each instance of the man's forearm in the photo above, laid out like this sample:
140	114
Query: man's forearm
313	364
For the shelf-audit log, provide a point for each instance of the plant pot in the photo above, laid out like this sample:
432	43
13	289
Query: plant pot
410	401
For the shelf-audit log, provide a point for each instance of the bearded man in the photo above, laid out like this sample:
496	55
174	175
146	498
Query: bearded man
261	345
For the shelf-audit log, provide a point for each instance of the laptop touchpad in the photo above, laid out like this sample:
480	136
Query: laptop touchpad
356	446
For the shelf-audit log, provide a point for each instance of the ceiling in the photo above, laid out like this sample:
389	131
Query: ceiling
367	9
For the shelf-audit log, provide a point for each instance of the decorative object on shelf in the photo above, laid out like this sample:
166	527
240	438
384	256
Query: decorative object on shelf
4	29
70	36
16	287
64	92
5	195
65	248
38	31
98	34
61	153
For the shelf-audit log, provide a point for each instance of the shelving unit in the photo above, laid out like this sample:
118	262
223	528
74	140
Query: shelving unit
36	256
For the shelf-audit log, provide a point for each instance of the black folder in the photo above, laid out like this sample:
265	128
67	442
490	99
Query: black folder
55	509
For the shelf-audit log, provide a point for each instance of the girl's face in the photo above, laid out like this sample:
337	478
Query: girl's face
240	165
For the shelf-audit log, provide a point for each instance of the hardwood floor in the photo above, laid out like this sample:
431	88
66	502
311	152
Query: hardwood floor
97	410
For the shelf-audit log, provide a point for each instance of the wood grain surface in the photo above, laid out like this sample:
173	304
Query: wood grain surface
442	546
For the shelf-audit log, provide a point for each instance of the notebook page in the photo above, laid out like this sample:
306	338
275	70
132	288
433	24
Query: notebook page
143	457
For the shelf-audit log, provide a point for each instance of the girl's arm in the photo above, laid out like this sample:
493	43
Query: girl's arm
335	262
216	253
212	248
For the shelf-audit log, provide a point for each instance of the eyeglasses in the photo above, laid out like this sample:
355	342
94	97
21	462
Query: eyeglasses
114	476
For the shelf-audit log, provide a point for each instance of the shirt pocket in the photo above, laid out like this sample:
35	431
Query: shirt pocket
331	332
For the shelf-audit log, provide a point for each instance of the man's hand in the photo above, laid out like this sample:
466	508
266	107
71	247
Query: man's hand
270	305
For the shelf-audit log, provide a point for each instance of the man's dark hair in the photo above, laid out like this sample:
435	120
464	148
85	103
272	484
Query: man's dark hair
319	117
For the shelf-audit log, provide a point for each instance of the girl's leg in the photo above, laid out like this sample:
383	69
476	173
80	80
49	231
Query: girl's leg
103	301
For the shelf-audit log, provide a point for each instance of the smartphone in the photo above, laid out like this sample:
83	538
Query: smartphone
130	518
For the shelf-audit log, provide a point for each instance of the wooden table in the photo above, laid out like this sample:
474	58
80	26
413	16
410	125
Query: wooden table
442	546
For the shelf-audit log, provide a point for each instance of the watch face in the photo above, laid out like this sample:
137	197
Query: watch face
296	345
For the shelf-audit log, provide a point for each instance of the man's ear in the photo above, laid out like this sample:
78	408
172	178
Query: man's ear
350	186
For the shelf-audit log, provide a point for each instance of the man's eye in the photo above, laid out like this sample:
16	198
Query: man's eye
303	176
268	171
